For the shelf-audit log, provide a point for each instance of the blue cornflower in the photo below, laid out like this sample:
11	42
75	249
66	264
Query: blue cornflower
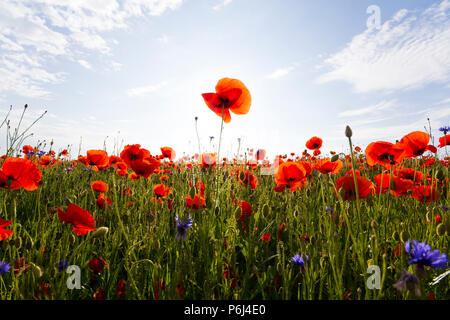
68	169
29	153
421	254
182	226
327	208
298	260
444	129
62	264
4	267
40	153
444	208
408	282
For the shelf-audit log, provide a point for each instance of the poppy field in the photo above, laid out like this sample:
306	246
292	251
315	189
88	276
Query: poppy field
369	224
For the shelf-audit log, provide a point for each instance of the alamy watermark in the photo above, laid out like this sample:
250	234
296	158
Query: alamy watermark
374	20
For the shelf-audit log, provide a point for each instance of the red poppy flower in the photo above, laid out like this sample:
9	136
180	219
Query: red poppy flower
325	166
265	237
365	187
121	288
400	187
410	174
382	181
145	167
249	180
82	221
99	186
46	161
103	201
414	143
168	153
195	203
246	210
99	294
26	149
384	153
134	152
314	143
161	191
18	172
231	95
5	234
98	264
444	141
280	231
290	174
98	158
425	194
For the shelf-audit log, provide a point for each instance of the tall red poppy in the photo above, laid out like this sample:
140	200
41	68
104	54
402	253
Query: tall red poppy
98	158
314	143
82	221
99	186
161	190
290	174
18	172
384	153
444	141
195	203
365	187
326	166
168	152
231	95
415	143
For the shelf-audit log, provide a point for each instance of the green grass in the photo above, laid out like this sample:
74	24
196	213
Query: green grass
142	248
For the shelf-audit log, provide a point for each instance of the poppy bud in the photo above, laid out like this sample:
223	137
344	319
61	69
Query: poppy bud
374	224
395	236
404	236
72	238
335	158
441	229
348	132
440	175
217	210
265	210
18	243
36	270
100	232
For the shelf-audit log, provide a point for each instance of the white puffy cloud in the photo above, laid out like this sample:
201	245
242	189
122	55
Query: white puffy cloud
410	50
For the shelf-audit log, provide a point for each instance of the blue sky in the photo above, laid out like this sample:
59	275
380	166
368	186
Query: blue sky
134	71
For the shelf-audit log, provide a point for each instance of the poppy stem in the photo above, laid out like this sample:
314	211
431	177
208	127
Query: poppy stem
218	152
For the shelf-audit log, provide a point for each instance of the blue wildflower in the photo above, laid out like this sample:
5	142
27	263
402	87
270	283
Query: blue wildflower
62	264
408	282
68	169
182	226
444	208
329	209
4	267
422	255
40	153
444	129
298	260
29	153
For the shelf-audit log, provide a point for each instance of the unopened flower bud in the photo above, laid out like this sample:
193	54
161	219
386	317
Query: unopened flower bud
374	224
265	210
335	158
36	270
100	232
441	229
348	132
395	236
404	236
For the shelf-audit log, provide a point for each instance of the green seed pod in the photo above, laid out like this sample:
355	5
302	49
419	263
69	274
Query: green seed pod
36	270
100	232
441	229
265	210
335	158
404	236
18	243
428	216
395	236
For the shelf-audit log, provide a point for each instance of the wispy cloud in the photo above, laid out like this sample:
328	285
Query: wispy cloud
163	39
409	51
370	110
33	32
145	90
222	4
279	73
